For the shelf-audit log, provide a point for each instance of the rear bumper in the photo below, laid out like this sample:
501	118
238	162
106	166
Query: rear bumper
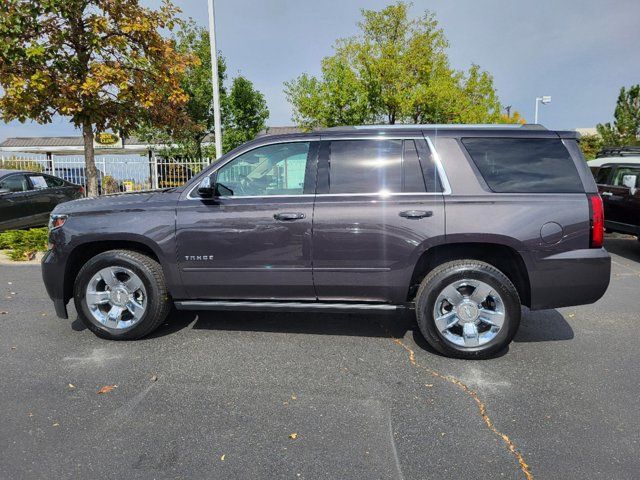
577	277
53	277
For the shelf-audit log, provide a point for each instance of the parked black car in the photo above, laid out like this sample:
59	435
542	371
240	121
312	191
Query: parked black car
78	176
461	225
618	180
27	198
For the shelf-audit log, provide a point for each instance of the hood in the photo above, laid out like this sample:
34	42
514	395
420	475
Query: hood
118	201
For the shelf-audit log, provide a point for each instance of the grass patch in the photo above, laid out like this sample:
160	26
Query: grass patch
24	244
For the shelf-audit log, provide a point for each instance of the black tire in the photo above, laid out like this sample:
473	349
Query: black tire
149	271
447	273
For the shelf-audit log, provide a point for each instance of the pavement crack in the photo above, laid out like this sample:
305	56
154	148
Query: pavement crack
482	408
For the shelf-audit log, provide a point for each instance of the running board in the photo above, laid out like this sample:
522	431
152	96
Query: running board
289	306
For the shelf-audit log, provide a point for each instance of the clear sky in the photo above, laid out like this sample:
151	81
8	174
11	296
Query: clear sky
578	51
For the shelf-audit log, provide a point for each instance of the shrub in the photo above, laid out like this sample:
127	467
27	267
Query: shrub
23	244
15	164
110	185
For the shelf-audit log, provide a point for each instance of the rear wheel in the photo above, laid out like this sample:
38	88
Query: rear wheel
467	309
121	295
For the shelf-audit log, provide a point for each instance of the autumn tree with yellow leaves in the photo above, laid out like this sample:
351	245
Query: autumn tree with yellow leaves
104	64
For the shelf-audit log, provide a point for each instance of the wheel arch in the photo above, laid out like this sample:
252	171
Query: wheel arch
503	257
83	252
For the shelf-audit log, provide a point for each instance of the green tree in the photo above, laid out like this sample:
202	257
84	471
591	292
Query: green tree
243	109
626	125
590	145
395	70
245	113
103	64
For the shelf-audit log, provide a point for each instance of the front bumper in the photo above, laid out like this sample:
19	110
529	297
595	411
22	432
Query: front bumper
53	276
576	277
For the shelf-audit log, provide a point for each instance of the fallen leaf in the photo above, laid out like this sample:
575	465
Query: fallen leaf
43	314
55	424
293	436
71	385
107	389
293	397
30	414
12	293
154	378
13	348
571	315
222	458
428	385
3	313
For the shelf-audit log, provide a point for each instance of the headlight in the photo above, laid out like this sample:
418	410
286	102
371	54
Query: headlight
56	221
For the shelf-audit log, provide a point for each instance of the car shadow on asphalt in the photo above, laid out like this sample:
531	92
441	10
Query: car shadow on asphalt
627	247
538	326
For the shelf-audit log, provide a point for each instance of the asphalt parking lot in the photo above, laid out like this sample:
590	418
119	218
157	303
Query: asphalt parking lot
238	395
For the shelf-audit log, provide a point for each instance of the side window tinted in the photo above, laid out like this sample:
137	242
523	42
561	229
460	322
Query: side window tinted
53	181
365	166
602	175
412	177
270	170
520	165
14	183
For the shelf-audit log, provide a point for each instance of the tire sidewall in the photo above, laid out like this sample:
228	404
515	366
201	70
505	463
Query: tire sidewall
114	259
507	292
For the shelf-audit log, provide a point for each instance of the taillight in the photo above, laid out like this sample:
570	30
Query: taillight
597	220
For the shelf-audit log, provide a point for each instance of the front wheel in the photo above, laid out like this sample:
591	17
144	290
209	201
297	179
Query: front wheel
121	295
467	309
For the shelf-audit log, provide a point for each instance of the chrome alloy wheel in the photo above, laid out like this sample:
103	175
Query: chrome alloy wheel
116	297
469	313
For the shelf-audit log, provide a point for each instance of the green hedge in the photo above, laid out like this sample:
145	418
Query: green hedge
23	244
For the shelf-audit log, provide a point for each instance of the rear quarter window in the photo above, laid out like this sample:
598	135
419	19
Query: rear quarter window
524	165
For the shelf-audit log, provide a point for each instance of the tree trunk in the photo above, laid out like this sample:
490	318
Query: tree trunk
89	160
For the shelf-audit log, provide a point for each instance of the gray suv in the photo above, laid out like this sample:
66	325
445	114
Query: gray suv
461	224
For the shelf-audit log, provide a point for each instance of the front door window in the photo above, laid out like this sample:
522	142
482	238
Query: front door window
270	170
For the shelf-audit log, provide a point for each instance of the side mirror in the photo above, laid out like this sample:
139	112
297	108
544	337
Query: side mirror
630	181
205	189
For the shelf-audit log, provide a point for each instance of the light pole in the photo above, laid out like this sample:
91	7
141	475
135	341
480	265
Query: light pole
545	99
214	81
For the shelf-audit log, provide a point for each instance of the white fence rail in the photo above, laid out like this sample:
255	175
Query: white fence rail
116	173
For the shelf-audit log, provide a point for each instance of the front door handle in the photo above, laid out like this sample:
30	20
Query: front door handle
416	214
289	216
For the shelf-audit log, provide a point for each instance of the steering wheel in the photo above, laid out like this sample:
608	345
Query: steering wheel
245	186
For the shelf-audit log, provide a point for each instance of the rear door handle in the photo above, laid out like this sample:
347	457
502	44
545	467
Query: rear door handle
416	214
607	194
289	216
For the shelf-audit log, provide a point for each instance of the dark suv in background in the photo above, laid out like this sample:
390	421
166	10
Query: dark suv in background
464	225
617	173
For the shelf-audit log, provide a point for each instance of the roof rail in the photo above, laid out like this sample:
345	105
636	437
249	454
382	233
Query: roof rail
626	151
436	126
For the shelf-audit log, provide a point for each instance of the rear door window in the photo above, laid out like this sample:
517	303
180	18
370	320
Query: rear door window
523	165
365	166
602	175
377	166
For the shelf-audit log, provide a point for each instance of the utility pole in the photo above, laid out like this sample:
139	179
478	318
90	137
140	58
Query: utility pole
214	81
